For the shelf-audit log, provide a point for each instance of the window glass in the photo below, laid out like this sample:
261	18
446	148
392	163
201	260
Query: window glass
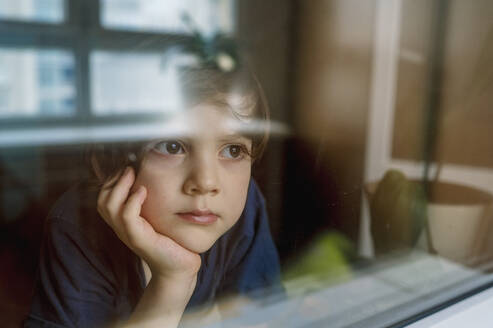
50	11
370	206
36	83
126	83
157	15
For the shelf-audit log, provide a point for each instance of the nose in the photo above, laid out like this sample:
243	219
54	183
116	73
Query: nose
202	178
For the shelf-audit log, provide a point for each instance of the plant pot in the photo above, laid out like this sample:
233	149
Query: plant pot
460	221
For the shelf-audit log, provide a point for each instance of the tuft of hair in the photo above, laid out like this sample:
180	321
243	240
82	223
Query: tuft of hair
239	91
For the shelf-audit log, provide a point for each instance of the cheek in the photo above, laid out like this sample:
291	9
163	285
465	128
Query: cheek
160	184
156	173
237	190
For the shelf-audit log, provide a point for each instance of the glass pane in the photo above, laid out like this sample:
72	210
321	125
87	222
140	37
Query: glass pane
50	11
36	83
124	83
157	15
377	204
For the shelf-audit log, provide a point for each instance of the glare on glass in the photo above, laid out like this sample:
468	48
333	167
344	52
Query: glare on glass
36	83
49	11
209	16
130	83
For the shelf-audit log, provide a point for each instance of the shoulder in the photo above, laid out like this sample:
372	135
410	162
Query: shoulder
77	207
74	217
255	196
252	261
75	231
254	214
85	274
253	221
75	228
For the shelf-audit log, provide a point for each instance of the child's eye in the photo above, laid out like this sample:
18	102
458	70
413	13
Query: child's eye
233	151
171	147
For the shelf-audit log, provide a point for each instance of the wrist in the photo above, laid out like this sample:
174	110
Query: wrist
176	276
176	284
163	302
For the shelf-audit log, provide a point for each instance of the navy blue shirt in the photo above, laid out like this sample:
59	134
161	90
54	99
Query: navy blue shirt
87	277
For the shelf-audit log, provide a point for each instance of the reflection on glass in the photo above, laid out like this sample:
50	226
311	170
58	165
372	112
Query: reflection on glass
36	83
125	82
50	11
209	16
380	212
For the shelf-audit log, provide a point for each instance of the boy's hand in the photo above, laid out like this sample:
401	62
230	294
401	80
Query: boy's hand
121	208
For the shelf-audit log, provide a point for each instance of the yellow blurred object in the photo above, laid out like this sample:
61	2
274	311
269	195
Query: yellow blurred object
326	260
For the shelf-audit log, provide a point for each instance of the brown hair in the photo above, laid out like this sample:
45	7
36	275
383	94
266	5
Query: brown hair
239	91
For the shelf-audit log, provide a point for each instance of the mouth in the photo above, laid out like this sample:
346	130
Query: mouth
199	217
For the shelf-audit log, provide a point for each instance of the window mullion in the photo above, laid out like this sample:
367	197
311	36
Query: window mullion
84	15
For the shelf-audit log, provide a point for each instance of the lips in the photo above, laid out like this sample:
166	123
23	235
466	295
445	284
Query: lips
199	217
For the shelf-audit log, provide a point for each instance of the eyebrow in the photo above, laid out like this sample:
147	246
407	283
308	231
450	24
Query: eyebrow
233	136
187	138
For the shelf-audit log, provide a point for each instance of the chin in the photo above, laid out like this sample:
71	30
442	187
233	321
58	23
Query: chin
193	238
197	247
197	244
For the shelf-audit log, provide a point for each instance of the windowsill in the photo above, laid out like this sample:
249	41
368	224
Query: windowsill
389	293
473	311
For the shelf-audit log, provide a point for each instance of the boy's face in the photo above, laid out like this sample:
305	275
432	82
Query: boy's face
196	182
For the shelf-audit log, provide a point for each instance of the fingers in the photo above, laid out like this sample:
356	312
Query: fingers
134	225
111	199
121	210
107	187
120	191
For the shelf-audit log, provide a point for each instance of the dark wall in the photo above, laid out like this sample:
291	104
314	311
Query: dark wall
265	31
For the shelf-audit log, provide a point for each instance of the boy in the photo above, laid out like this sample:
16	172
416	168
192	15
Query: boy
172	227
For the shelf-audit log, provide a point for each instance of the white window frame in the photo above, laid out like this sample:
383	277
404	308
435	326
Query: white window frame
378	157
